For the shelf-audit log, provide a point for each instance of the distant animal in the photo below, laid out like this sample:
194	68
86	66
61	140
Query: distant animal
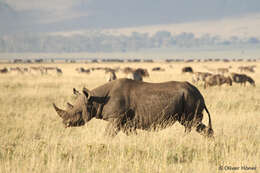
25	69
138	74
247	68
129	105
3	70
225	60
187	70
97	68
158	69
200	76
116	69
127	70
242	79
50	69
111	75
212	70
189	60
16	69
222	70
40	69
217	80
82	70
59	71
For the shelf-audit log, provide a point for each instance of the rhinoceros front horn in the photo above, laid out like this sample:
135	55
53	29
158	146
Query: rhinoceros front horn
60	112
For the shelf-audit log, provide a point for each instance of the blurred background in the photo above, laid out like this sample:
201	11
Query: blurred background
144	29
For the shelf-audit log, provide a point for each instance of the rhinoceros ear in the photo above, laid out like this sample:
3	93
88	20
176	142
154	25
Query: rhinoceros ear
76	92
87	93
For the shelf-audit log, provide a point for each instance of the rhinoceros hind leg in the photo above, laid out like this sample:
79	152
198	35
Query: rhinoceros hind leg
204	130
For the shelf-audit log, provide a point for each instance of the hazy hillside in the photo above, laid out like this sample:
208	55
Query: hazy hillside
56	15
64	26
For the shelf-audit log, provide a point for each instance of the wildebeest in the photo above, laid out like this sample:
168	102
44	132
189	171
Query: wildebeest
187	70
97	68
19	70
138	74
135	74
158	69
129	105
247	68
40	69
110	75
127	70
217	80
82	70
58	70
4	70
200	76
242	79
50	69
222	70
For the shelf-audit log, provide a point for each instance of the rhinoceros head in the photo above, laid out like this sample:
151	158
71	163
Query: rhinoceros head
79	113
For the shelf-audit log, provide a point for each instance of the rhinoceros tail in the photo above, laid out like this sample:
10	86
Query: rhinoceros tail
210	125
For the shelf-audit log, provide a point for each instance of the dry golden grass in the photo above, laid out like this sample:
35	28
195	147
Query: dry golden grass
33	139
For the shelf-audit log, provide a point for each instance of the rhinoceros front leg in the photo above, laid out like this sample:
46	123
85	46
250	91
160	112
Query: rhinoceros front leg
128	125
113	128
129	130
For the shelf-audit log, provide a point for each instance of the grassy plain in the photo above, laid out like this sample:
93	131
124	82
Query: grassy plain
33	138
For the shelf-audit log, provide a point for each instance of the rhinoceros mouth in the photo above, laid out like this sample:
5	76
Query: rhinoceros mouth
79	122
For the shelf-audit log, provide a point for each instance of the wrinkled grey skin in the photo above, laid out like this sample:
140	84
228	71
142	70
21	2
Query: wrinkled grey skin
129	105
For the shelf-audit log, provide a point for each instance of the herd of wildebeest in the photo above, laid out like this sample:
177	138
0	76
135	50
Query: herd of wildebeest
212	77
129	103
30	70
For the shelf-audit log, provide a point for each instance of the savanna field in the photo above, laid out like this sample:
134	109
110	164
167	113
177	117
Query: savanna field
33	138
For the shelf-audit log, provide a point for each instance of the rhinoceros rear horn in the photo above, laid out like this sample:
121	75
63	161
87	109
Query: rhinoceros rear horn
87	93
60	112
